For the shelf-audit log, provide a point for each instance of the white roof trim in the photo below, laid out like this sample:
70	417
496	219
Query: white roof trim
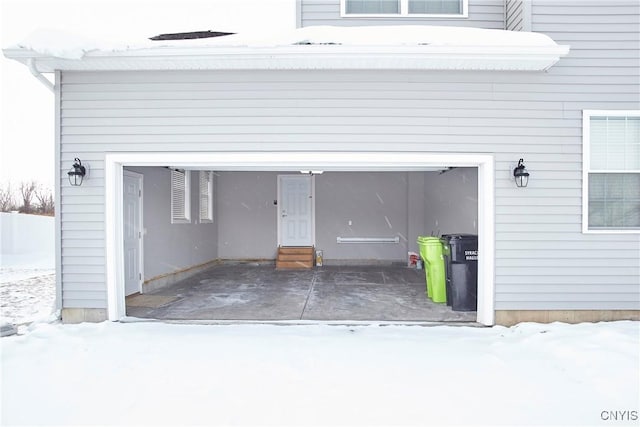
414	47
303	57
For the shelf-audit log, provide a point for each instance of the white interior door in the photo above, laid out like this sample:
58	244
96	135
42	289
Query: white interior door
132	222
295	210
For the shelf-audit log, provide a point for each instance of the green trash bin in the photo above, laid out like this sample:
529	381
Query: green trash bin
432	253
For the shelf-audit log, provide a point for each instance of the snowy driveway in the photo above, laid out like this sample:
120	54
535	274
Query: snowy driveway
169	374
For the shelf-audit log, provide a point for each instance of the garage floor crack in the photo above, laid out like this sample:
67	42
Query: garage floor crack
313	283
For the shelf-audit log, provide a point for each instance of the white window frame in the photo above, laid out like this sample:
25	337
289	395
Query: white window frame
205	177
586	166
186	218
404	12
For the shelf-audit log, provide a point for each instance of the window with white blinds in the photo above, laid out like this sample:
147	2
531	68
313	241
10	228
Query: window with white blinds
206	196
372	6
612	171
180	197
435	8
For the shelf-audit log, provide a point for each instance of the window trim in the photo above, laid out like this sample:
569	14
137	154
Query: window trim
209	219
404	12
586	166
186	219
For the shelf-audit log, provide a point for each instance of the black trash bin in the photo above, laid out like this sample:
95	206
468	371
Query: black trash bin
462	271
446	255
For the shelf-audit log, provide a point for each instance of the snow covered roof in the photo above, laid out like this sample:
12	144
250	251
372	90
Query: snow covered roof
321	47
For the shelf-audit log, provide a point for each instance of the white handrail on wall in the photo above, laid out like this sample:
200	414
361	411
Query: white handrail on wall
395	239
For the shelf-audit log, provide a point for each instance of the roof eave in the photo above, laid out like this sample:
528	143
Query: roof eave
524	58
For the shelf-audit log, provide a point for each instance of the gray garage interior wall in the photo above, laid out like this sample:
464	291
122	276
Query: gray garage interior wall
376	205
451	202
247	215
169	248
348	204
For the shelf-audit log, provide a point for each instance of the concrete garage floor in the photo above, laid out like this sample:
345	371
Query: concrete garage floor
252	292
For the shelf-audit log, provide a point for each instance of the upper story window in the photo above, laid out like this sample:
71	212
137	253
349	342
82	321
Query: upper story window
611	175
400	8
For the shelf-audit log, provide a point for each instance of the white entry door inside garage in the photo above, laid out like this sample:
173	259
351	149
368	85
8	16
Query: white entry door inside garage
132	238
295	210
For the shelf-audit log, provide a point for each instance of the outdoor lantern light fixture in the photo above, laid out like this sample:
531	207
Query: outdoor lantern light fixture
76	173
521	175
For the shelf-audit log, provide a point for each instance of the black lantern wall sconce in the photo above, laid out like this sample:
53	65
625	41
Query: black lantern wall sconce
521	175
76	173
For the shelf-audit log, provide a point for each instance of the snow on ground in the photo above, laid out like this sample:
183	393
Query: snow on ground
175	374
27	300
15	274
15	267
27	287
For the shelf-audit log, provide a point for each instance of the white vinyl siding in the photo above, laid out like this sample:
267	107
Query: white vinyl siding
403	8
206	196
612	170
180	200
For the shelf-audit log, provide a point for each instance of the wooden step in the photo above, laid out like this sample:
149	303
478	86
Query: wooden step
295	258
296	250
291	265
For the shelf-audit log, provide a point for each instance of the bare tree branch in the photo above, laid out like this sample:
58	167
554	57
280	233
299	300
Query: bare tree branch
7	202
27	191
46	204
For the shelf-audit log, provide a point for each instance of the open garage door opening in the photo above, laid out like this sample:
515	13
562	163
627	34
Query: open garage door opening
294	244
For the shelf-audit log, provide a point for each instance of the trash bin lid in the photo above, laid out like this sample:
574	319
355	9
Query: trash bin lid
461	236
428	240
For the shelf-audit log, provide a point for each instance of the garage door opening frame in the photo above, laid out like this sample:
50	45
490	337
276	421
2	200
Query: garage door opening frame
351	161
